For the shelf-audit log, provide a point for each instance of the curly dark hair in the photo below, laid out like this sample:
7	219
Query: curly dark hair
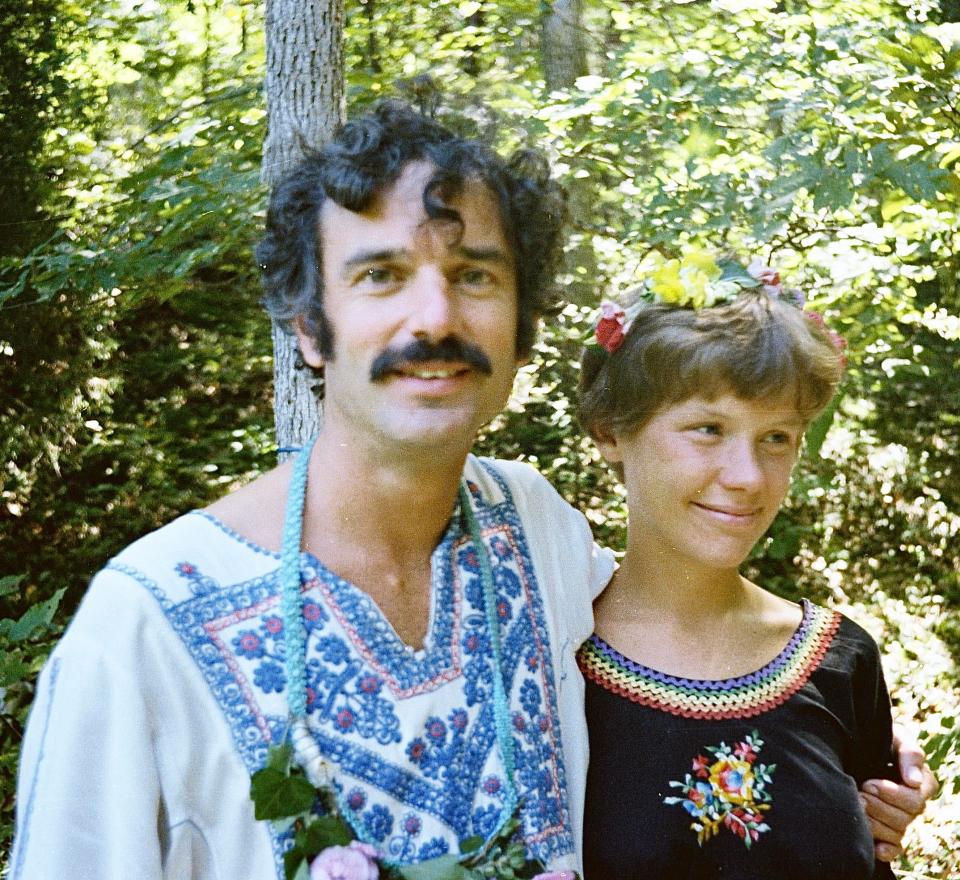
367	155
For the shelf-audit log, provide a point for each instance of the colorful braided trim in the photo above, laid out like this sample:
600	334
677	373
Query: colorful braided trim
741	697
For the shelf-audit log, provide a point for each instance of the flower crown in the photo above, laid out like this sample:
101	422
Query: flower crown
696	281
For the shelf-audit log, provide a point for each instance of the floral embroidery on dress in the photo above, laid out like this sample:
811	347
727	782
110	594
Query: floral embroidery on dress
729	789
200	584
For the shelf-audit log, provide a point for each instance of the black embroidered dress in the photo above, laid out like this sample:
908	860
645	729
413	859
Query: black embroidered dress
751	777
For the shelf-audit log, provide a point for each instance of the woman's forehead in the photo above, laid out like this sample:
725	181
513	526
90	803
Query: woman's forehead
782	405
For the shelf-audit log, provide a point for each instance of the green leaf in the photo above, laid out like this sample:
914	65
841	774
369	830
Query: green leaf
446	867
833	190
278	757
916	179
35	618
293	860
276	795
302	872
13	669
323	832
471	844
10	583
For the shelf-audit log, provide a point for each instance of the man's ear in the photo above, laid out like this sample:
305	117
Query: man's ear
308	344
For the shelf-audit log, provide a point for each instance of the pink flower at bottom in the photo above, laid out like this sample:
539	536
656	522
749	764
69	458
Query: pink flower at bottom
557	875
354	862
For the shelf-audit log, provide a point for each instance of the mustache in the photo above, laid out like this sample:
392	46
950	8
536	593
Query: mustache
450	349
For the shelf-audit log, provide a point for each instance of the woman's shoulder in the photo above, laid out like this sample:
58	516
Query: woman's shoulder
851	659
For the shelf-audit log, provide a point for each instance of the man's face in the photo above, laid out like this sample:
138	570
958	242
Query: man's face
423	317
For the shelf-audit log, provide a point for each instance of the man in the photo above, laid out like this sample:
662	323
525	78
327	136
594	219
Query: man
441	597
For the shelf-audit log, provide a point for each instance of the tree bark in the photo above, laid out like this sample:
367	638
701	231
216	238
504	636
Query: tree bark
563	55
563	48
305	104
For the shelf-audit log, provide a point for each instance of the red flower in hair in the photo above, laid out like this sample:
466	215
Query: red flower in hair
612	326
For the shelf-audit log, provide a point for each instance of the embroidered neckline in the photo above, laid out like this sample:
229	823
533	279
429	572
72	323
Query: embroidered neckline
742	697
232	533
295	643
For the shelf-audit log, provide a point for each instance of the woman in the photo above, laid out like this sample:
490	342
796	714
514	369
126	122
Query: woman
729	728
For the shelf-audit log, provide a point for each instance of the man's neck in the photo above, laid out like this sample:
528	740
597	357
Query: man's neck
357	495
376	523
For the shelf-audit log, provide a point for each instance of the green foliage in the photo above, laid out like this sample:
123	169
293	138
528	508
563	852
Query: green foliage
35	37
25	641
277	794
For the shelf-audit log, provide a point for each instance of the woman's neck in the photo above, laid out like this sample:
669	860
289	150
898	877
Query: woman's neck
677	587
692	621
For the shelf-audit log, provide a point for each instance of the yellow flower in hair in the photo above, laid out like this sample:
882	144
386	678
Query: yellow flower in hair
696	284
689	281
693	281
697	258
666	284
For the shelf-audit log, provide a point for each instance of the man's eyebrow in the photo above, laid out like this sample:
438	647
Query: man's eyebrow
485	255
384	255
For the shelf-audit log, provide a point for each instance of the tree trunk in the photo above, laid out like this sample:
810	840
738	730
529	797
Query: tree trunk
563	48
563	54
304	93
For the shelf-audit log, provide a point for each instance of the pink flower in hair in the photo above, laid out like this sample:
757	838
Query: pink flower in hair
767	276
839	343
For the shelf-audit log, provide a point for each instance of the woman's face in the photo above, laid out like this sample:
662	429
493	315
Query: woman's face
706	477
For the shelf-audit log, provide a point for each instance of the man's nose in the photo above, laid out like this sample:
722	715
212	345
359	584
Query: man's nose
433	312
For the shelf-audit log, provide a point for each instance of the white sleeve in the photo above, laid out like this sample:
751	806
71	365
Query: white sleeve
88	796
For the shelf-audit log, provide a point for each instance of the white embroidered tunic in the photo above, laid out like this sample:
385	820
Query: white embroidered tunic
169	687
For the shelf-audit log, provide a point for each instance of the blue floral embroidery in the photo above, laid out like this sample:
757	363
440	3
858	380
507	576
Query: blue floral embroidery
416	787
378	820
433	848
270	677
249	644
200	584
345	699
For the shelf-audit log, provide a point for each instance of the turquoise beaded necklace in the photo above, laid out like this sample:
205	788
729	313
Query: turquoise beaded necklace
295	634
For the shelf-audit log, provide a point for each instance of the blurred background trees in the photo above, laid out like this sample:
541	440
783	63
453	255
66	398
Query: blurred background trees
135	364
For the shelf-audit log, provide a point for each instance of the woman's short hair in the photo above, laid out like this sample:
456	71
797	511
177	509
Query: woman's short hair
756	346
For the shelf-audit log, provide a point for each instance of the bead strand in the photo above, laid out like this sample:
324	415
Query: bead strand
291	602
500	705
